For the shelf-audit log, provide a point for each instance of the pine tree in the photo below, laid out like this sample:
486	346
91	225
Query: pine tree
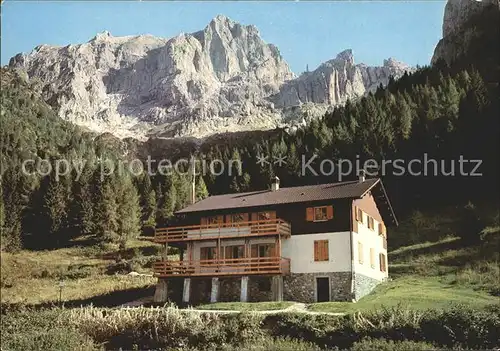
81	211
54	209
129	211
14	205
105	213
167	205
201	189
148	202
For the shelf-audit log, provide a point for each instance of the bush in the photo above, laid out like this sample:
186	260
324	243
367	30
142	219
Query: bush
389	345
463	327
42	330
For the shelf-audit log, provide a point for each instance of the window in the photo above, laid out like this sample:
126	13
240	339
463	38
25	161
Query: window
207	253
372	257
238	217
360	253
264	216
214	220
371	223
359	215
319	214
321	250
381	229
236	251
383	263
262	250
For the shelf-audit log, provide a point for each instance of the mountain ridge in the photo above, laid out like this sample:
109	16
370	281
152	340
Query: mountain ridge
223	78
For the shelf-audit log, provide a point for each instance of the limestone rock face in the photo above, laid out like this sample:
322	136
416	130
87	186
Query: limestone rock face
458	31
223	78
337	80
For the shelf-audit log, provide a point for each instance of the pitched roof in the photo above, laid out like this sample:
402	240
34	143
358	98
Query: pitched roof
344	190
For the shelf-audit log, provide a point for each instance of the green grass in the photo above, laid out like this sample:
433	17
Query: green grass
413	292
246	306
32	277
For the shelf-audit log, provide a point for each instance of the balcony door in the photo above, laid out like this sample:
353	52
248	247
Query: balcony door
234	252
263	250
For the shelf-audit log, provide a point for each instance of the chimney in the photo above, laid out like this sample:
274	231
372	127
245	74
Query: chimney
361	176
192	174
275	183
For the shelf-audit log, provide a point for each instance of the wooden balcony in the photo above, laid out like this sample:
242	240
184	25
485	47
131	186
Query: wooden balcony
223	267
223	231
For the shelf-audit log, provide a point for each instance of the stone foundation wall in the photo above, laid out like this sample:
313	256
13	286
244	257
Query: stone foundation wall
300	287
200	290
363	285
260	289
173	292
230	289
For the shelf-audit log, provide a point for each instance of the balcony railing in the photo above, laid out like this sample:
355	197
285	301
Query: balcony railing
223	230
223	267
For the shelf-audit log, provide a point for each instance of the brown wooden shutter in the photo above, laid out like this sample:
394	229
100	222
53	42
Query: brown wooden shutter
203	221
316	250
220	219
310	214
245	217
325	250
273	214
356	214
254	216
329	212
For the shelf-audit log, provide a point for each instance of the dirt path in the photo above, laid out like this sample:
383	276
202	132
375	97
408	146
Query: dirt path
295	308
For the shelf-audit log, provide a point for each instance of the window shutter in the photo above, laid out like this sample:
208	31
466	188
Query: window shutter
325	251
273	214
254	216
245	217
220	219
203	221
316	250
356	213
329	212
310	214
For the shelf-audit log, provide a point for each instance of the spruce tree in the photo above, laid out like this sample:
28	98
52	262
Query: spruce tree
167	205
105	213
128	211
201	189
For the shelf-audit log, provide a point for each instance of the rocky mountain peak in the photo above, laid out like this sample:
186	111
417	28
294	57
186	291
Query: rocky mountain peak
463	22
222	78
346	56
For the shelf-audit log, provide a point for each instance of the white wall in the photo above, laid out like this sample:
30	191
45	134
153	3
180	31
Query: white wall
300	250
370	239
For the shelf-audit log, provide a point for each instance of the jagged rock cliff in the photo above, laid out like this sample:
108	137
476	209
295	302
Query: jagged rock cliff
224	78
337	80
466	22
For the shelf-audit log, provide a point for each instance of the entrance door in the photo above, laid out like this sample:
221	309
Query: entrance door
322	289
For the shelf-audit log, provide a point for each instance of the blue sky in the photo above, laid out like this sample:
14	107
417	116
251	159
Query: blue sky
307	33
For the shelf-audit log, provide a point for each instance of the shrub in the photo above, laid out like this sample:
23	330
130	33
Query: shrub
46	329
369	344
463	327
